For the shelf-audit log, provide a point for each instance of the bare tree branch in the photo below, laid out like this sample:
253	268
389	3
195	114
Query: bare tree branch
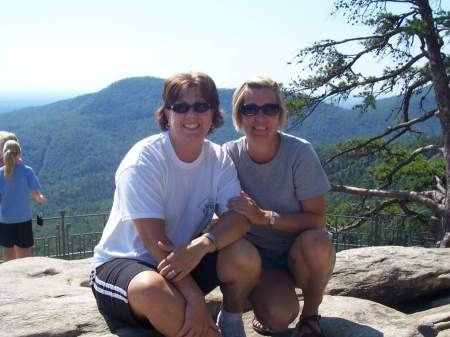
435	207
365	217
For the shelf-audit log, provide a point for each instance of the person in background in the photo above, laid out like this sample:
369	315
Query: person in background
157	258
5	136
284	199
17	181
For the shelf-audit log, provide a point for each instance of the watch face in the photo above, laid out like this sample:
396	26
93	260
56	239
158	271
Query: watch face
272	218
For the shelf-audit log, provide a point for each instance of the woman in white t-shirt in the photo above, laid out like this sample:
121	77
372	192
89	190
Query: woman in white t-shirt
157	258
285	189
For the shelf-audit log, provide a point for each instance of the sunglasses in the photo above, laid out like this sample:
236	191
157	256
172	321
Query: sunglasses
184	107
253	109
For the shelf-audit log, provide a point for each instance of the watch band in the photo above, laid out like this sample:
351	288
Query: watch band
272	219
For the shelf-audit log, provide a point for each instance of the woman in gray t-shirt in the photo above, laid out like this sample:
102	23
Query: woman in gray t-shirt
284	199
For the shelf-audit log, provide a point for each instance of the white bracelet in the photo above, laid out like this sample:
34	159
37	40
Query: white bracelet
211	237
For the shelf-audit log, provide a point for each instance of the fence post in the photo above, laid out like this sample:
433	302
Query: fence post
63	233
376	230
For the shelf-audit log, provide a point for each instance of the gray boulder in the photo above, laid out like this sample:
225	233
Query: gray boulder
51	297
390	274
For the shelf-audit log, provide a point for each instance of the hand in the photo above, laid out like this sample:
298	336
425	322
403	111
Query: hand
180	261
197	320
248	207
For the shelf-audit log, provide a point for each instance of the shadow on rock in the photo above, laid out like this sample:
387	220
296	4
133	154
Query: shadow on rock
335	326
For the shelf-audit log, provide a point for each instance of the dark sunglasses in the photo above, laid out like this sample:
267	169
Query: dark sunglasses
184	107
253	109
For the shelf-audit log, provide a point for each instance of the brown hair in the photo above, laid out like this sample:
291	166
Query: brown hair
174	87
259	83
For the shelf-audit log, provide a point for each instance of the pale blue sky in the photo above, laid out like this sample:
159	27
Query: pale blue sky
85	45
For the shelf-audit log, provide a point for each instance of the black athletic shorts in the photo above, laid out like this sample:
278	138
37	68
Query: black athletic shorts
109	283
16	234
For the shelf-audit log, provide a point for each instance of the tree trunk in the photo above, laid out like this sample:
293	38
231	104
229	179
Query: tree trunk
442	93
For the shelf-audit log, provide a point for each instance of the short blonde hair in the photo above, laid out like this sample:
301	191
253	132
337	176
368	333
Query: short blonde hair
258	83
11	150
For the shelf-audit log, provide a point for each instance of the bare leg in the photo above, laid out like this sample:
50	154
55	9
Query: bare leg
8	254
311	261
274	301
22	252
238	268
152	297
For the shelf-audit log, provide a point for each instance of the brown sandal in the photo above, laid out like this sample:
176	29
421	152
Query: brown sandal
308	322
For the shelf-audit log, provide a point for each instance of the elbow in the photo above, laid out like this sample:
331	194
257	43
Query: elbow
321	221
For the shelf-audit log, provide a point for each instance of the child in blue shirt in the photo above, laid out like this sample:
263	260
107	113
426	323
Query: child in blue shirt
17	181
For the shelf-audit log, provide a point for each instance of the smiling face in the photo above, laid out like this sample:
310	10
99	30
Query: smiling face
260	127
190	128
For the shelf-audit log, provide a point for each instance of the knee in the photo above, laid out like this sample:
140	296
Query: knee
239	259
312	246
144	287
278	318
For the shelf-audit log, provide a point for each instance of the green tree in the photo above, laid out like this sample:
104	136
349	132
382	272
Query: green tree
411	37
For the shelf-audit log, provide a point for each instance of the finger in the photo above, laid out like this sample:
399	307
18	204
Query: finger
184	330
165	247
190	332
212	324
164	263
234	199
244	195
194	332
180	276
240	211
165	271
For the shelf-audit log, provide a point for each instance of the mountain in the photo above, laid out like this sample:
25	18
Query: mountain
75	145
18	100
331	124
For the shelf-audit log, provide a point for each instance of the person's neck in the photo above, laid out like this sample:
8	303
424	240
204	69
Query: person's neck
187	152
263	151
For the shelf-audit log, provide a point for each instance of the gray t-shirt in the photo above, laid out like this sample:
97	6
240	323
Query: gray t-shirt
294	174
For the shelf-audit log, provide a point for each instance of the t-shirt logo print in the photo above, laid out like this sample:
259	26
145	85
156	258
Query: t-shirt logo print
208	211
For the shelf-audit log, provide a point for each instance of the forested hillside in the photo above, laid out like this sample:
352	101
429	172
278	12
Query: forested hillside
76	145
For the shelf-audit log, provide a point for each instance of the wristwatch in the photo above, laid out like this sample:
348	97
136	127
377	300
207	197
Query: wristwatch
272	219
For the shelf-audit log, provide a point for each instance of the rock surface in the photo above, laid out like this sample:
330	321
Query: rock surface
390	274
50	297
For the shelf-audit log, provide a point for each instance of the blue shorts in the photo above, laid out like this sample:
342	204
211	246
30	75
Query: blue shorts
273	259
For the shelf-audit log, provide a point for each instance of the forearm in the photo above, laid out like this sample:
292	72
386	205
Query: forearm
293	223
38	196
189	289
231	227
151	231
150	235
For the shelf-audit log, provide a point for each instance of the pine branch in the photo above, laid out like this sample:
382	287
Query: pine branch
389	130
412	156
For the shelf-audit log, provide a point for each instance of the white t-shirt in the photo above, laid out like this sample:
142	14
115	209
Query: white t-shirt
152	182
